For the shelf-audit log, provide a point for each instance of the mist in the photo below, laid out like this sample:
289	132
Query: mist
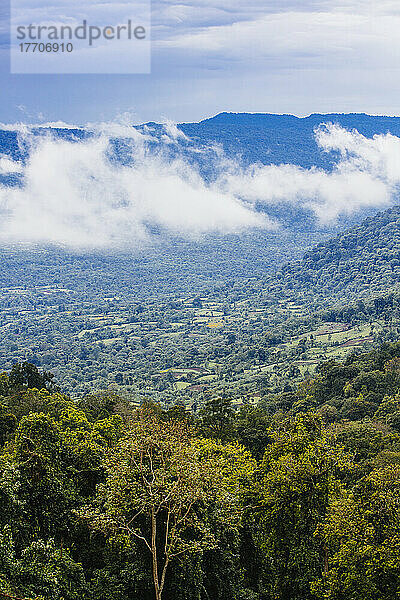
79	193
366	175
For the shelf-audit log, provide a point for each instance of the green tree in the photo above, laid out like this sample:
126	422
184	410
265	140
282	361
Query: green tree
25	376
217	419
299	474
252	426
160	482
361	533
41	568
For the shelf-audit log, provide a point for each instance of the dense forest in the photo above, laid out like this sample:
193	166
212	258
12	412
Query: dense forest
296	498
358	262
246	444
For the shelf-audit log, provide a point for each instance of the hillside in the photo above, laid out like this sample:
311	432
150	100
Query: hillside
221	314
366	385
276	139
243	337
363	260
264	503
256	138
248	138
210	145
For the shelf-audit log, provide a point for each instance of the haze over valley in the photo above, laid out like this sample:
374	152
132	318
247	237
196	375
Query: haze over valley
128	252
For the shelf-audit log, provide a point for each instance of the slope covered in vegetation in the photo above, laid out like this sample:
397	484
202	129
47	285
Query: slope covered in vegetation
363	260
277	139
103	501
364	386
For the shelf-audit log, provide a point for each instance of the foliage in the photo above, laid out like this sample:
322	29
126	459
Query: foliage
364	386
294	498
362	537
301	471
161	483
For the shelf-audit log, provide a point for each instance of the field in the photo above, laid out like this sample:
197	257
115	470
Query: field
231	341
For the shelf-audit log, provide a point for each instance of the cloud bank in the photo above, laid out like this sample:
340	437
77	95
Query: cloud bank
78	193
366	176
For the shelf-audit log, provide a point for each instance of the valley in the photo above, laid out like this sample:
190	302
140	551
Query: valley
245	339
225	398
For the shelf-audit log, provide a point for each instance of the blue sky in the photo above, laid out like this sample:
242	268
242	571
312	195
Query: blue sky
208	56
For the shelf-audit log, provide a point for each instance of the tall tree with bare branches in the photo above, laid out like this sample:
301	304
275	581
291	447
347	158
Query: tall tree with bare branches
160	482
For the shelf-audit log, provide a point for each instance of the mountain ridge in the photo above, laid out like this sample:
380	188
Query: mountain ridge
361	260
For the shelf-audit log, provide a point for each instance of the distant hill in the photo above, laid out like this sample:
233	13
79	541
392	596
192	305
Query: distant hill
361	261
265	138
275	139
12	145
280	139
249	138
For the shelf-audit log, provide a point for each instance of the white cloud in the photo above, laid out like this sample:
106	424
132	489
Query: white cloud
367	175
8	166
297	38
264	56
75	193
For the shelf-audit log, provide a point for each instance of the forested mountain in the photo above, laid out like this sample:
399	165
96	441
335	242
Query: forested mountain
264	138
96	324
223	424
363	260
275	139
246	139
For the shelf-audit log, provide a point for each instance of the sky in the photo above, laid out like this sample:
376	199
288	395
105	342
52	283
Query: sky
208	56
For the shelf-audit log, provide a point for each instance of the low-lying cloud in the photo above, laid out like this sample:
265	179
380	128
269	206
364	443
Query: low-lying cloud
78	194
366	175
